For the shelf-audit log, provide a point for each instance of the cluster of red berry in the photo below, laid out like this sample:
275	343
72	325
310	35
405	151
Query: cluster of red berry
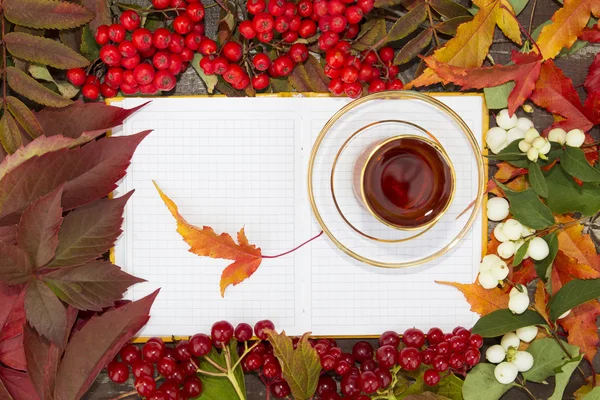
139	60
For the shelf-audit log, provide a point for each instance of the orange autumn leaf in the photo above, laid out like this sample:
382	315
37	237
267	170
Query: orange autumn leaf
205	242
473	39
526	272
574	243
518	185
482	301
541	299
492	247
567	23
507	172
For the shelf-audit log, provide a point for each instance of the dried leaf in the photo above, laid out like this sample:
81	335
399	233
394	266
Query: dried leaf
205	242
101	12
370	33
574	243
300	367
38	228
567	23
450	26
91	286
91	172
46	14
449	8
309	77
17	384
43	51
25	85
108	332
45	312
507	172
88	232
408	23
24	116
414	47
15	266
42	362
70	38
482	301
10	135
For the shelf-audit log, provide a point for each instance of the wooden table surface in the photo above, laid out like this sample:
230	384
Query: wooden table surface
575	66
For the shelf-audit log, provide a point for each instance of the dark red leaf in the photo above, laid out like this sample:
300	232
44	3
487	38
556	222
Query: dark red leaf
101	13
15	267
17	384
91	172
8	234
90	349
590	35
45	312
592	80
12	319
42	362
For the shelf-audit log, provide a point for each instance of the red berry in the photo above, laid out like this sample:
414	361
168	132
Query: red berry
182	24
369	57
101	36
177	3
338	23
475	340
457	344
161	60
118	372
149	88
396	84
271	370
261	61
256	6
144	74
413	338
328	362
290	37
128	89
207	46
221	331
161	38
141	368
290	9
265	37
282	24
233	74
110	55
376	85
350	386
276	7
108	91
128	79
76	76
232	51
409	358
352	31
195	12
148	53
92	79
393	71
183	351
90	91
472	357
192	40
131	62
335	58
366	5
177	43
192	387
335	7
305	8
362	351
386	356
145	386
384	376
260	82
456	360
158	395
353	14
326	385
243	332
369	365
435	336
365	73
349	74
246	29
161	4
328	40
130	354
440	363
171	390
178	376
431	377
463	333
308	28
443	348
200	345
130	20
280	389
127	49
175	64
207	65
298	52
386	54
369	382
220	64
116	33
332	72
263	22
261	326
166	366
428	355
164	81
142	39
336	87
325	23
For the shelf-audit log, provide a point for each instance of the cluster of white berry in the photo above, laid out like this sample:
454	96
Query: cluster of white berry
534	145
512	235
509	358
509	129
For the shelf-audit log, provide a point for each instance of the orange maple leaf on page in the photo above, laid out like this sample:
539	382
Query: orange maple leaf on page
568	22
482	301
205	242
473	39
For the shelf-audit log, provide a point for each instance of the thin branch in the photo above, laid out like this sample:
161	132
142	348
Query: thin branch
435	36
531	16
246	351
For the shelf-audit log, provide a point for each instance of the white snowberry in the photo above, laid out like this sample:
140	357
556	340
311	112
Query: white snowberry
495	139
527	333
565	314
524	146
533	154
495	354
527	231
509	340
497	208
531	134
500	271
557	135
524	123
575	138
506	372
523	361
518	303
545	148
507	249
538	249
499	234
518	288
538	142
488	261
505	121
487	280
512	229
514	134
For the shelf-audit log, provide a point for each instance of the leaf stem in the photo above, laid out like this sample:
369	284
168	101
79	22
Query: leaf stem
435	36
527	391
523	29
560	226
295	248
235	385
531	16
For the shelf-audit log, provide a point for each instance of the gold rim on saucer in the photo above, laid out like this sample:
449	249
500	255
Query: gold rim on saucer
399	95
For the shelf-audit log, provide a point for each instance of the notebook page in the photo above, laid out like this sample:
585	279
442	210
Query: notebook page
352	298
227	163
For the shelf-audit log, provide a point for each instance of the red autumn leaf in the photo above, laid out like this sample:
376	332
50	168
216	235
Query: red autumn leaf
576	244
524	73
17	384
525	274
590	35
42	361
15	266
506	172
555	92
44	311
12	319
482	301
581	322
108	332
90	172
8	234
205	242
592	87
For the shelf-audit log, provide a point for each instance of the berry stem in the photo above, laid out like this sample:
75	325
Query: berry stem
125	395
214	364
295	248
246	351
527	391
201	371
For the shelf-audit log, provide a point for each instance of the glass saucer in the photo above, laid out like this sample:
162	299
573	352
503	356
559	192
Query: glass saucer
376	117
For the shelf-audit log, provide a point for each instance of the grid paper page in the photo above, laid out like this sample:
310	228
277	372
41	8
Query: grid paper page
229	163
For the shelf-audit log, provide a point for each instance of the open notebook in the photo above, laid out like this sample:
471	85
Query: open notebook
233	162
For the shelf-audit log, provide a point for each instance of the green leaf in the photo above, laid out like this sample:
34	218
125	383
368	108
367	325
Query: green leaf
41	72
449	27
542	267
370	33
449	8
563	377
45	312
481	383
24	116
280	85
300	367
502	321
537	179
46	14
518	5
10	136
414	47
547	358
43	51
408	23
496	97
25	85
572	294
527	208
520	254
219	388
450	386
565	195
509	153
89	48
309	77
575	163
209	80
